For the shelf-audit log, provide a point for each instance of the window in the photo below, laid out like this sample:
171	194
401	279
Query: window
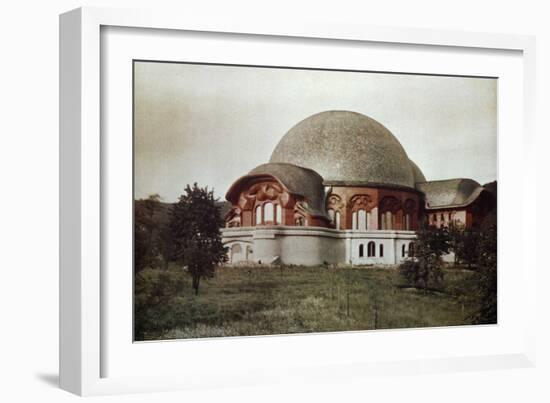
362	220
387	220
407	222
411	249
279	215
258	215
381	250
354	220
337	220
403	251
361	250
368	220
236	253
268	212
371	249
299	221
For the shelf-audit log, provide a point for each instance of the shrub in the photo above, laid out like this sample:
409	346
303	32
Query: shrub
157	295
424	269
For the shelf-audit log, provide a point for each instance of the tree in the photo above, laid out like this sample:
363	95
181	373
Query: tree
456	238
195	233
469	252
486	291
146	230
424	269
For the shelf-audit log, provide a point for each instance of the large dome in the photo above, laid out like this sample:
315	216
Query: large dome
347	148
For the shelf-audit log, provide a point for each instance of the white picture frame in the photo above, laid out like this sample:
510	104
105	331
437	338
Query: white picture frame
82	173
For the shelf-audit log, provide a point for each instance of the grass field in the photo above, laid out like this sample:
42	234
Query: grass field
261	300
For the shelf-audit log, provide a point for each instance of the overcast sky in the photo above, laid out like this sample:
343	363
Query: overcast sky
213	124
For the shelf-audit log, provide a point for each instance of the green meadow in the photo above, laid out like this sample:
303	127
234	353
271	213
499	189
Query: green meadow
261	300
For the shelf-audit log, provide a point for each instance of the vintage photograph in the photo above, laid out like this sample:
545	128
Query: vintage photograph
276	200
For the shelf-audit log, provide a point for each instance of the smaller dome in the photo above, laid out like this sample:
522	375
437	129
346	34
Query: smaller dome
417	173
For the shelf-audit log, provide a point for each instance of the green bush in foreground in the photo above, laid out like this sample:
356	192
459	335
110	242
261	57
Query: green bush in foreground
424	270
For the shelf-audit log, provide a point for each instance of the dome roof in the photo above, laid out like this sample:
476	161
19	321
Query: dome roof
347	148
417	173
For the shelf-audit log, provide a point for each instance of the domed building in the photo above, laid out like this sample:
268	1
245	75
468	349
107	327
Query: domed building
340	188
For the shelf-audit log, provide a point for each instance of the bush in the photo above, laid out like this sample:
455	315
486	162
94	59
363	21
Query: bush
422	274
157	296
424	269
486	290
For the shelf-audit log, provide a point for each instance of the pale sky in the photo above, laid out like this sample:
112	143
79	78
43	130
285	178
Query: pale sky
213	124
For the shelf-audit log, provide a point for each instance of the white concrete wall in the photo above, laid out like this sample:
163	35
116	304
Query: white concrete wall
314	245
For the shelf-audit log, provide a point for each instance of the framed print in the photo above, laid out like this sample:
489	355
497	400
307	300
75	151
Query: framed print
279	200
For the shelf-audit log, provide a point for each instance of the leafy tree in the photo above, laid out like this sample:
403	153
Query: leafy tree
486	290
146	230
424	269
195	233
456	237
469	251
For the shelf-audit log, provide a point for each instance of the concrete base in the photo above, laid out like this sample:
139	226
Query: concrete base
311	246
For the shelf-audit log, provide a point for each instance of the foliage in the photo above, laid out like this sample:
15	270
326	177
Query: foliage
464	243
146	233
156	295
424	269
195	234
486	290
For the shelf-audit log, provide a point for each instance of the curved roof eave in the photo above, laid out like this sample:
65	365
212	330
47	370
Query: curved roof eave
295	180
450	193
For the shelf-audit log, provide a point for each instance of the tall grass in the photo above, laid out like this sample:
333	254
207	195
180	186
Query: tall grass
242	301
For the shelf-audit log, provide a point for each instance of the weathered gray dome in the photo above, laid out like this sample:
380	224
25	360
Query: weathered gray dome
346	148
417	173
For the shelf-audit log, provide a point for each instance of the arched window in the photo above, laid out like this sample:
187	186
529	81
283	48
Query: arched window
331	214
381	254
411	249
361	219
337	220
388	220
268	212
407	222
236	253
258	215
371	249
361	250
354	220
368	220
279	214
403	250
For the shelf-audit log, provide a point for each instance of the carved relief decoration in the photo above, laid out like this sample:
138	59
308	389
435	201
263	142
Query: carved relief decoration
233	217
389	203
361	202
263	191
300	210
334	202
